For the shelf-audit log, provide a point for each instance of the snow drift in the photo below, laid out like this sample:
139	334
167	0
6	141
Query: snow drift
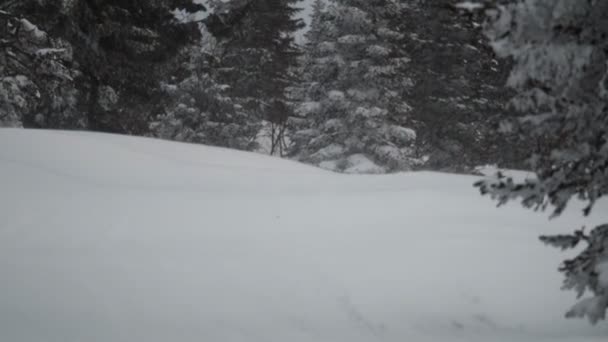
121	239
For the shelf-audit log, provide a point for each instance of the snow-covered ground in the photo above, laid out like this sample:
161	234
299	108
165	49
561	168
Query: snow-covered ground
119	239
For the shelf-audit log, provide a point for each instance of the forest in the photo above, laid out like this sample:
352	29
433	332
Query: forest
371	87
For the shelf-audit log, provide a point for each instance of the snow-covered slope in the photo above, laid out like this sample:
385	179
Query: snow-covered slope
120	239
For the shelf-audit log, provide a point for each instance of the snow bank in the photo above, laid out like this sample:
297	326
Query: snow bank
113	239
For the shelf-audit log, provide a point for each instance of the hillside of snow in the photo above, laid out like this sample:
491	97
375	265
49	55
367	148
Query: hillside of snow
106	238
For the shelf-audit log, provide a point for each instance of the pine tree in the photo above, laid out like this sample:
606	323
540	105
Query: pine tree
114	51
37	80
313	34
258	52
560	74
354	118
460	95
200	110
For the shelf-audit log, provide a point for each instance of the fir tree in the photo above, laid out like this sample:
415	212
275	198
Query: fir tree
561	78
257	54
115	52
200	110
37	80
354	118
460	95
314	32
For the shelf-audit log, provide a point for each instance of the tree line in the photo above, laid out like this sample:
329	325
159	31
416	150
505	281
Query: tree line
376	86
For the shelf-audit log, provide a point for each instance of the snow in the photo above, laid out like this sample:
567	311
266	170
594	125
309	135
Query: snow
469	6
304	14
336	95
308	108
353	39
330	165
589	307
106	238
32	29
403	133
183	16
360	164
329	152
49	51
602	271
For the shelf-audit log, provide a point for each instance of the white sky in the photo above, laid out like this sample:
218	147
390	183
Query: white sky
306	5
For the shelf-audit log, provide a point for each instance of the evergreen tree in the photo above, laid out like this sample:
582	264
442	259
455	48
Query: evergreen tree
37	80
313	35
460	95
257	53
200	110
560	74
352	117
114	51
